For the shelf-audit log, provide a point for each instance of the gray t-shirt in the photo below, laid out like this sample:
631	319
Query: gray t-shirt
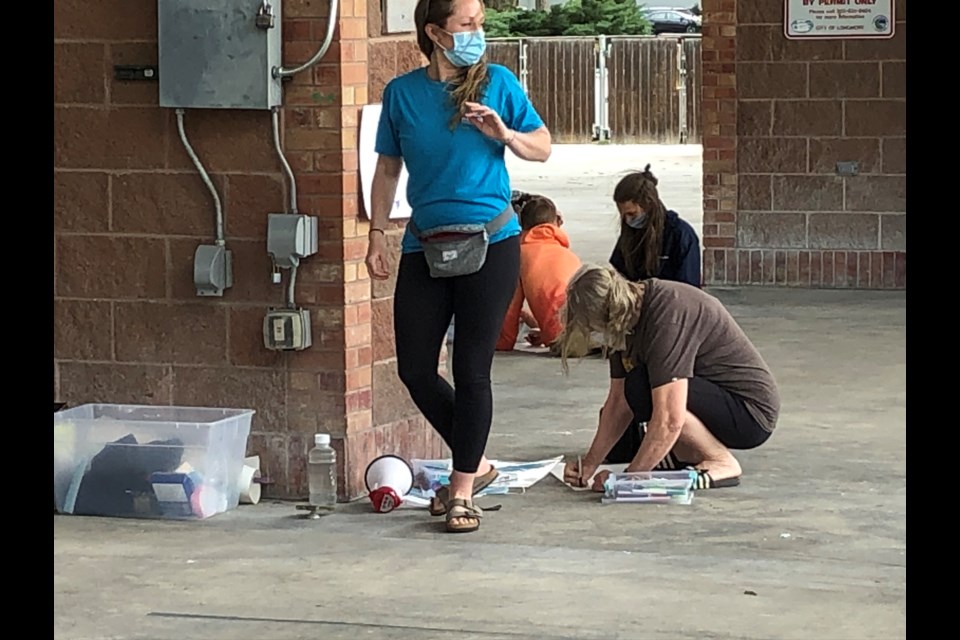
684	332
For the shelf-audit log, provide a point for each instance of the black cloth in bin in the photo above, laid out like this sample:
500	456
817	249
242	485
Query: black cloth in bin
118	481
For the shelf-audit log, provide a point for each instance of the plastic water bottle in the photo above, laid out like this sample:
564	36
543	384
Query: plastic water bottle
322	469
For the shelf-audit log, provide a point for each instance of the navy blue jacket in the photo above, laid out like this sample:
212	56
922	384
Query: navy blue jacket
681	254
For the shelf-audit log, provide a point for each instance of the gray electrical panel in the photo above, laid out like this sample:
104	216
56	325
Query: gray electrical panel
219	54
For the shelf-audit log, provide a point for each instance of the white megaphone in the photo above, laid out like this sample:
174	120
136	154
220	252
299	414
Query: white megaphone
388	479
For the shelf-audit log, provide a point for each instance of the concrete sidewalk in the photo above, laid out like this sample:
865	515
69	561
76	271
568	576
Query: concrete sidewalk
811	545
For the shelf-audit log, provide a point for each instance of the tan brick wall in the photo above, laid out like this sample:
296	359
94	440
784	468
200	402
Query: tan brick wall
799	108
129	211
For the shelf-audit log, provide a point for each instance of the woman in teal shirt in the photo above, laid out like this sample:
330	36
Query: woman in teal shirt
450	123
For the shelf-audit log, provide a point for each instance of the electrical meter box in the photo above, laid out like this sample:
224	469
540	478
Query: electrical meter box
219	54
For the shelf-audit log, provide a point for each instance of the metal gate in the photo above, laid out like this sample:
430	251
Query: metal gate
626	89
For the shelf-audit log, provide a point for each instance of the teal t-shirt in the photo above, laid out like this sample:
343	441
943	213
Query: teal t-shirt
455	176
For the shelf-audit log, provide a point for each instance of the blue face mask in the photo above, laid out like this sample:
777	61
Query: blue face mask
637	222
468	48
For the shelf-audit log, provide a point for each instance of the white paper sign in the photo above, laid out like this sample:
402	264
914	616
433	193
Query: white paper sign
826	19
369	119
398	16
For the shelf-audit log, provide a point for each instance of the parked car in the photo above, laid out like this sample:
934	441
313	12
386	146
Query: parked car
665	20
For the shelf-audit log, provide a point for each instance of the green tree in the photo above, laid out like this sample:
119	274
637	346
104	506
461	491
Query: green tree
573	18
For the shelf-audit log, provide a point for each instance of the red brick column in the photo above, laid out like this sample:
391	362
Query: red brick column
329	384
719	108
398	424
346	384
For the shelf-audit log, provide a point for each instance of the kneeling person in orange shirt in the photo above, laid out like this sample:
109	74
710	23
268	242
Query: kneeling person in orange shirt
546	266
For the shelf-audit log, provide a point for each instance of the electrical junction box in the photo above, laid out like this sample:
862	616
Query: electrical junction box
287	329
219	54
290	237
212	270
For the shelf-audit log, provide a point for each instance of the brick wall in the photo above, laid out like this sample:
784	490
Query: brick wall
799	107
719	109
330	382
130	210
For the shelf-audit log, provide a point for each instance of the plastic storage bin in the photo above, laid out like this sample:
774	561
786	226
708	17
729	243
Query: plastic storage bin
143	461
659	487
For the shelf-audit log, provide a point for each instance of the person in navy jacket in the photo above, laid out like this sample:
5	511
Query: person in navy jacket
654	242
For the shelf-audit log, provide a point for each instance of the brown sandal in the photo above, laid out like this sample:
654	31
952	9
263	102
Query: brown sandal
438	504
461	508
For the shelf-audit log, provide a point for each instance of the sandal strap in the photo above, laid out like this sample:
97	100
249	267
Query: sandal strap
461	508
480	483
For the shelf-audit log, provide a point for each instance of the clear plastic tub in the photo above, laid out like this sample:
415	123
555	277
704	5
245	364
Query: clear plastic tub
660	487
145	461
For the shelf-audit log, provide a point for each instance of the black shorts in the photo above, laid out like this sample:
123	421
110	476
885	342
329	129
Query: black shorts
724	414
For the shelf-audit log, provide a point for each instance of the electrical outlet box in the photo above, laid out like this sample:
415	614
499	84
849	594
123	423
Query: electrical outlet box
212	270
287	329
291	237
219	54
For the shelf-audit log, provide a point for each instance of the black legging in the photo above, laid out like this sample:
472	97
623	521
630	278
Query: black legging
422	309
724	415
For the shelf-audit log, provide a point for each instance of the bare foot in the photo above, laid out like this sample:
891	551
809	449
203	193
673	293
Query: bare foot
464	521
721	469
436	503
484	467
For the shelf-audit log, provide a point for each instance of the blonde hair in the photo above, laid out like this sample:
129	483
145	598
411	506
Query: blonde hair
469	83
599	299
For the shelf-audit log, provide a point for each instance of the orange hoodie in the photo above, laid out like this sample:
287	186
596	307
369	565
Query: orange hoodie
546	266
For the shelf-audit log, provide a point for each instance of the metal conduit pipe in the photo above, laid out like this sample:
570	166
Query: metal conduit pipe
206	178
280	72
283	160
